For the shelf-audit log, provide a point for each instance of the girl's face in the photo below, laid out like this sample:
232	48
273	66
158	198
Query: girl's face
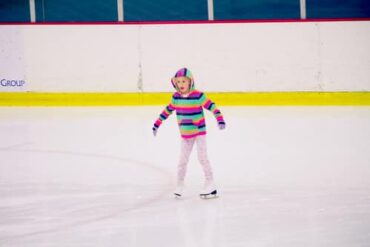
183	84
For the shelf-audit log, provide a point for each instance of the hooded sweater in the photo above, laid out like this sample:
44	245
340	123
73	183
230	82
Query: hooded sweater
189	110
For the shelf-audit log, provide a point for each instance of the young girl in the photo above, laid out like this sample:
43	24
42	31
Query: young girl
189	104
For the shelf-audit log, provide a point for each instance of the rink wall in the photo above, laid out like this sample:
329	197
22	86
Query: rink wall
306	62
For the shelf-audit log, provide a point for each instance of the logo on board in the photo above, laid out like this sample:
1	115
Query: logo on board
12	83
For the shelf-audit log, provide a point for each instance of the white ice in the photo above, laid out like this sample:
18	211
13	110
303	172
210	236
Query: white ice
287	176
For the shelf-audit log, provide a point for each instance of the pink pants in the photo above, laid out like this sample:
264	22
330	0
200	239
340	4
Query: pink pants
186	148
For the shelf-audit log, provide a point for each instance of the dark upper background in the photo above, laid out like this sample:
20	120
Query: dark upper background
178	10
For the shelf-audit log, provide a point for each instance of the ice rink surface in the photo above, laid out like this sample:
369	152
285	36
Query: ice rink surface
287	176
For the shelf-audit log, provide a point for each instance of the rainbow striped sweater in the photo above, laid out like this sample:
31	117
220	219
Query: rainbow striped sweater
189	112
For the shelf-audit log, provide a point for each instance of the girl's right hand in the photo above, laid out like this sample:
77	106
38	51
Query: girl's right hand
155	129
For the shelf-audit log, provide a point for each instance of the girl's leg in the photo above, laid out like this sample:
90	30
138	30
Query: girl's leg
186	147
203	157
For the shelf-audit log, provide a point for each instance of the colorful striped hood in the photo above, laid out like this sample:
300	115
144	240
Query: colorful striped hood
184	72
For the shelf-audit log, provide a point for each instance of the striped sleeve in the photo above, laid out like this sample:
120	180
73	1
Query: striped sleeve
164	115
211	106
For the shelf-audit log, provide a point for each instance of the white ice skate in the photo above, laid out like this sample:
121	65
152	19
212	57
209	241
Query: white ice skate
209	191
179	190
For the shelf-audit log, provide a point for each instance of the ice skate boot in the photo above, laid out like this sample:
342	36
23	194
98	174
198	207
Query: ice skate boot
209	191
179	190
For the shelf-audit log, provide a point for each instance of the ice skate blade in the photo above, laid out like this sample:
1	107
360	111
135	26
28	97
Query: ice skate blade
211	195
208	197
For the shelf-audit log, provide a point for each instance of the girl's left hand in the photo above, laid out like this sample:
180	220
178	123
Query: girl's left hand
221	126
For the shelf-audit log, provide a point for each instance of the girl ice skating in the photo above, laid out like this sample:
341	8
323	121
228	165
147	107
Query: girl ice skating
188	104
